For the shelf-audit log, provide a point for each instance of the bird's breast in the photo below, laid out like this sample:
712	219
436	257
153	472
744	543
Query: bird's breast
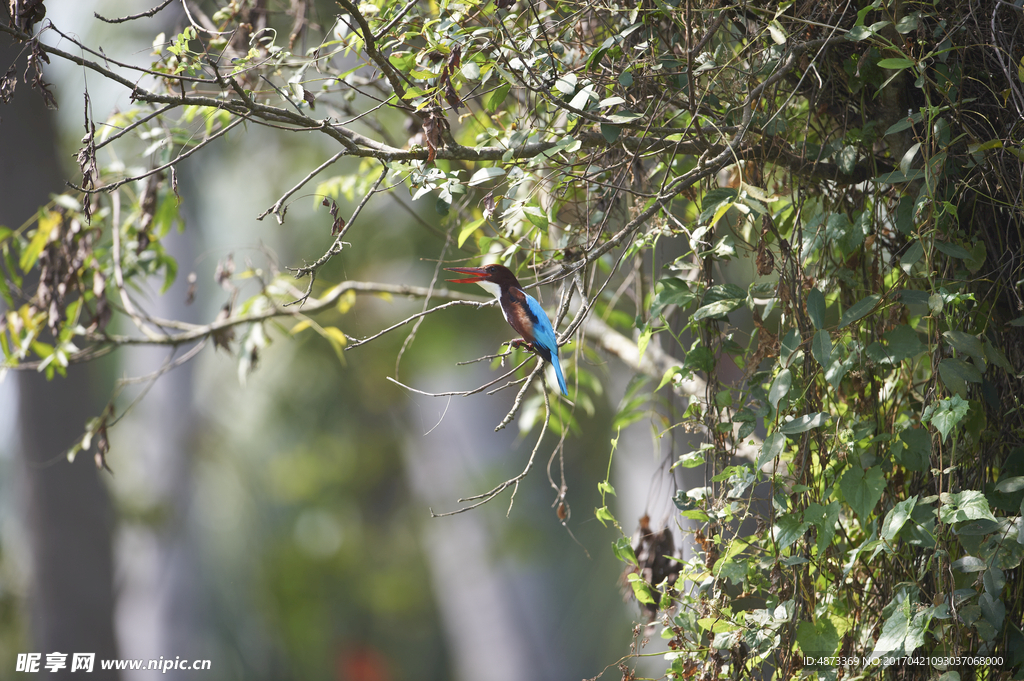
517	313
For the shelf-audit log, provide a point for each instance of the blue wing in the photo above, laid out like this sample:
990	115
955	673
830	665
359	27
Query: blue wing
544	337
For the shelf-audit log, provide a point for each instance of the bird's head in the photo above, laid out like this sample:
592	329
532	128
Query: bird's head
491	277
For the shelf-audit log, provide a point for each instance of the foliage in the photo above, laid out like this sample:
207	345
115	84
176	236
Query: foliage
845	176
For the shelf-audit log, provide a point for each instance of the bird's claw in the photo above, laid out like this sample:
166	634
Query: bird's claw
519	343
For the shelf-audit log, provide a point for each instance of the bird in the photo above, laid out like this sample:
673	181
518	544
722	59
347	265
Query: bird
521	311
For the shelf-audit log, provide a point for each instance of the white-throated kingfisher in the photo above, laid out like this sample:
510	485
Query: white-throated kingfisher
521	311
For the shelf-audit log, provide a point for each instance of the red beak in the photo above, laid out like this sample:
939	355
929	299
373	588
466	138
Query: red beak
477	272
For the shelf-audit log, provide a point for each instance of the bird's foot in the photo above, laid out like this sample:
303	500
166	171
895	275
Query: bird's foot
522	343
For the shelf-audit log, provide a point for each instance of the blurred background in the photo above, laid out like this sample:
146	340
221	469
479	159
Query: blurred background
279	523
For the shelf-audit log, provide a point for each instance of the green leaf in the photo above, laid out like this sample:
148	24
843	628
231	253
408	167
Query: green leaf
788	347
624	116
1010	485
824	518
818	639
993	610
903	343
896	518
690	459
48	223
804	423
904	123
956	373
969	564
645	338
485	175
953	250
771	448
898	176
641	590
834	374
604	516
897	63
960	507
717	310
978	256
821	348
780	386
610	132
566	83
846	159
860	32
903	631
946	414
733	570
911	256
468	230
859	309
913	297
966	344
170	266
625	79
668	376
916	452
624	550
862	490
996	356
788	529
497	98
816	308
670	291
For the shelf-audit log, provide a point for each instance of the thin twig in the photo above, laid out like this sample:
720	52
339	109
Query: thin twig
128	128
276	208
426	299
181	157
398	17
482	499
335	248
184	4
129	307
462	393
519	396
132	17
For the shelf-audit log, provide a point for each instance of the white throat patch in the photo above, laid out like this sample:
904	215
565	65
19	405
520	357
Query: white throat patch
490	287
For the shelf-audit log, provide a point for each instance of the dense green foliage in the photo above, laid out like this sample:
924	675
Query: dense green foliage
806	216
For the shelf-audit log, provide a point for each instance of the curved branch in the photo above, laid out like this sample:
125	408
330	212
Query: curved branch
132	17
370	44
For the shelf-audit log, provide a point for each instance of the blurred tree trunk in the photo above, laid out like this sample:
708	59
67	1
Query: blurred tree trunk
66	507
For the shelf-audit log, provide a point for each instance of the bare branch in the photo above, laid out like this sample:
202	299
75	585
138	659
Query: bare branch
132	17
371	49
335	248
482	499
159	169
276	209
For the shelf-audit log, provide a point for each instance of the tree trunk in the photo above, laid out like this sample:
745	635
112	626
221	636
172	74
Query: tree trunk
65	507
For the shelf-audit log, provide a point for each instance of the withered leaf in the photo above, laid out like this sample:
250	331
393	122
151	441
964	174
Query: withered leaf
432	134
7	85
225	270
222	337
339	222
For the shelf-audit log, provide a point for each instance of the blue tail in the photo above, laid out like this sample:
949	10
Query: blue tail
558	374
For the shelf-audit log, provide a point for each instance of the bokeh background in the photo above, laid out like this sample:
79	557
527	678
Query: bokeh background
278	524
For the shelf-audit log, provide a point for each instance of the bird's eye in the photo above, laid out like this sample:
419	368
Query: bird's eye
490	269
